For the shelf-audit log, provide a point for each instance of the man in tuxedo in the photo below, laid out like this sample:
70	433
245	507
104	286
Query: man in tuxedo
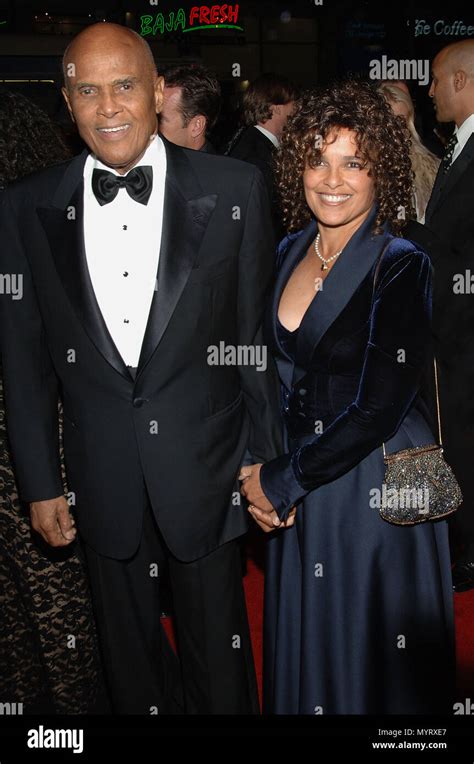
450	216
136	258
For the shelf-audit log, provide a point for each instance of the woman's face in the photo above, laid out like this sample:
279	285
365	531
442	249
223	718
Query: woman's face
339	190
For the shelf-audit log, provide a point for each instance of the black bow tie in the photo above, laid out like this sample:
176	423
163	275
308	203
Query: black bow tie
138	182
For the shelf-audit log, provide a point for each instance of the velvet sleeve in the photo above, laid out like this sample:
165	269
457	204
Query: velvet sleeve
397	352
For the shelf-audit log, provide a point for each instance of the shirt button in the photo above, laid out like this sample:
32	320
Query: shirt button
138	402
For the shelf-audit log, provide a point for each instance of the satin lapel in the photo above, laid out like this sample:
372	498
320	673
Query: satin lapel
349	270
63	225
185	218
455	172
294	254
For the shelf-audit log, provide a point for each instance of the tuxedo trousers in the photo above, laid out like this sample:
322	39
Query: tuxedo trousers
215	672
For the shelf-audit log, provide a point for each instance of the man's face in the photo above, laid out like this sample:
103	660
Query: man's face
113	96
171	121
442	90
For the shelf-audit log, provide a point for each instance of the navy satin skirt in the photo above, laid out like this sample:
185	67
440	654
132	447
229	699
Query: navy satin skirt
358	612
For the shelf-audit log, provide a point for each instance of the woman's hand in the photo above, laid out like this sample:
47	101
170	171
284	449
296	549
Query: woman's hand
265	520
262	511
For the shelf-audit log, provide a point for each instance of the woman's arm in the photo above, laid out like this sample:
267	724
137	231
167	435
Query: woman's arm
397	351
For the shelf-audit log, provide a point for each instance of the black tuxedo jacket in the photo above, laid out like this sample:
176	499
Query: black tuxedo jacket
253	146
181	428
450	217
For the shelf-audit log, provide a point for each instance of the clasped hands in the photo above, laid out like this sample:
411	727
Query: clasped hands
53	521
262	511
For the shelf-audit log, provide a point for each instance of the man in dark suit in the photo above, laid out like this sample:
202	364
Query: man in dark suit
450	216
267	104
138	259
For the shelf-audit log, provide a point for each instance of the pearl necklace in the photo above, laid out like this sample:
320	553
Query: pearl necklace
324	260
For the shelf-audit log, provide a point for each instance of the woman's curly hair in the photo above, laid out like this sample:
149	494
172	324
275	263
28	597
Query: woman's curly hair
28	138
383	141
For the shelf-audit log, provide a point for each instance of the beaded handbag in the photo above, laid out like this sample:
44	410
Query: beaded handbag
419	484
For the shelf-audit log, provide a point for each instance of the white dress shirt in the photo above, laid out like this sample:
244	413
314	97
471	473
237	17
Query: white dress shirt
269	135
122	242
463	133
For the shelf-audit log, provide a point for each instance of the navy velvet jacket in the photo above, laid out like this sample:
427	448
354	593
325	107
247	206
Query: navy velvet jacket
361	351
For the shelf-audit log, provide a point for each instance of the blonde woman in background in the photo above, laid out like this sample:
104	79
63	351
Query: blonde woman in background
424	162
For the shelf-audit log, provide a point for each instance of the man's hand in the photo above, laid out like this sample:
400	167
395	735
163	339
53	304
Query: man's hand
53	521
260	508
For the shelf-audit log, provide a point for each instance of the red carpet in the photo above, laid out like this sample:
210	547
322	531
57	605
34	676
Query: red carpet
464	614
253	582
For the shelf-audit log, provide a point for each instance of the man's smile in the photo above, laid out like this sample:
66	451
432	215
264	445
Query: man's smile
113	132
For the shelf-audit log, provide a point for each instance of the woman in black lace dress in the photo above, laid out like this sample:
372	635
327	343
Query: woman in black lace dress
48	653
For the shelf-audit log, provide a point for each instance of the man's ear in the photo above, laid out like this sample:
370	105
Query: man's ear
159	86
65	93
198	127
460	80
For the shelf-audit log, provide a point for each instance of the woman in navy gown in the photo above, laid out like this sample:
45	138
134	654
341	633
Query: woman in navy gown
358	611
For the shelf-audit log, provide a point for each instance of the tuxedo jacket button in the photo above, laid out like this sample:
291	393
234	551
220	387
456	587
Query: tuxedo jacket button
138	402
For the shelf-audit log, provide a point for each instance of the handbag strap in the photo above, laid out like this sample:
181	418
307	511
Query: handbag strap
438	412
435	365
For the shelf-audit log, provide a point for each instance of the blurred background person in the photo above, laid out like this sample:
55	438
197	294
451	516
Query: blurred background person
267	103
450	216
424	163
191	105
48	650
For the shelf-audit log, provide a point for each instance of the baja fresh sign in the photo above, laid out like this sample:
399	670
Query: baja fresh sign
200	17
